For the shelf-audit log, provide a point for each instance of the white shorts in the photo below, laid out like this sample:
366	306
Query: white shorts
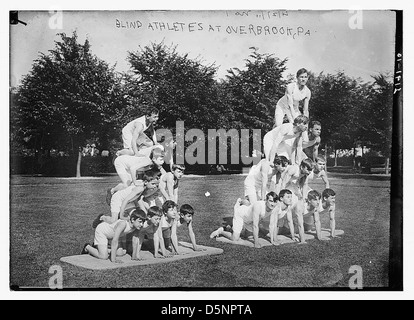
123	171
103	232
116	203
284	148
252	191
238	220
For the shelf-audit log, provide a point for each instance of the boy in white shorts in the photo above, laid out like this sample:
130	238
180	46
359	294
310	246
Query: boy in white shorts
264	177
125	198
247	218
128	166
106	231
285	140
134	129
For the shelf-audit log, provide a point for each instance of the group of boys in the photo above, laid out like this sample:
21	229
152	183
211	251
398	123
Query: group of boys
278	199
143	206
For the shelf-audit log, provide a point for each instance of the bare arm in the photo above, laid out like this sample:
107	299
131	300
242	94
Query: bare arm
256	219
174	239
265	167
289	96
192	238
273	230
290	222
119	228
139	128
137	240
288	174
332	220
324	177
317	225
300	208
163	184
306	106
175	195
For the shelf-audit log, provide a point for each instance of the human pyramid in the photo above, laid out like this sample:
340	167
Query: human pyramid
277	198
144	205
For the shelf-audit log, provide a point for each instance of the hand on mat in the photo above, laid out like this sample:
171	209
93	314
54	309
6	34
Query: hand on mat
117	261
277	242
139	258
335	237
197	248
257	245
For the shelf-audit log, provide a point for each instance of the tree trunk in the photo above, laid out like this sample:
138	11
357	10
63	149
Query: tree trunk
78	164
336	158
326	157
353	159
387	165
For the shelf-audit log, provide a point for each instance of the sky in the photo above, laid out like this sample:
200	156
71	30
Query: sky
360	43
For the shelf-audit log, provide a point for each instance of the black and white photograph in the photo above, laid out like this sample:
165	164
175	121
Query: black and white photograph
206	149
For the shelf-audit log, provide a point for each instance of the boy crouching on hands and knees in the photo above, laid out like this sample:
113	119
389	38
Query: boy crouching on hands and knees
168	228
277	220
150	232
113	231
186	216
328	205
247	218
308	212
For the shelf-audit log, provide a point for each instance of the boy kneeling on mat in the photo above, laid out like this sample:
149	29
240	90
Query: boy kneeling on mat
113	231
148	232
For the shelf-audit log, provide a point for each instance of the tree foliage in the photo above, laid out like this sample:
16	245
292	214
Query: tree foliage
183	89
70	95
252	93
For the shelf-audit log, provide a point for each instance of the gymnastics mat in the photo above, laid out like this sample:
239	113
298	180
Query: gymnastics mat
186	250
310	235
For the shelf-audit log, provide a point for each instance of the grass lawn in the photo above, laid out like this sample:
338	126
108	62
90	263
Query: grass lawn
51	218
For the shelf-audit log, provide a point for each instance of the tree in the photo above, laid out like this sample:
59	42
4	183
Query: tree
183	89
254	91
69	96
378	128
339	102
